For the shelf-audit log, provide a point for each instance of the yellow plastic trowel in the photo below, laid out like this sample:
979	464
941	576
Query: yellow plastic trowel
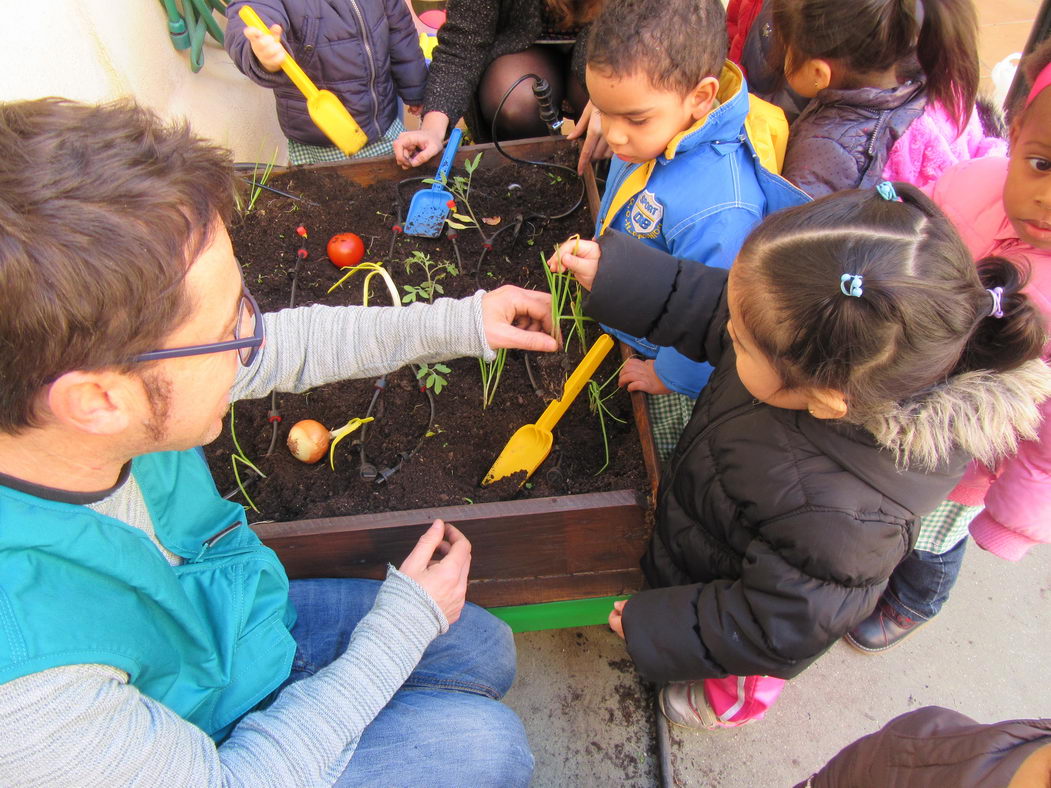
529	446
325	109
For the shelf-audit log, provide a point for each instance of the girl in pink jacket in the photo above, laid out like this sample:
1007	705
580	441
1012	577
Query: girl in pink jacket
1000	207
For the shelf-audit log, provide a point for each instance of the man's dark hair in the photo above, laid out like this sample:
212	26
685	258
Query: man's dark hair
102	210
675	43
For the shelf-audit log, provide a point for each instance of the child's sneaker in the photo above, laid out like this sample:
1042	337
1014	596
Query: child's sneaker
684	704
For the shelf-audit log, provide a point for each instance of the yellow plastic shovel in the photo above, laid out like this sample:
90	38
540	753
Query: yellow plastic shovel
529	446
327	111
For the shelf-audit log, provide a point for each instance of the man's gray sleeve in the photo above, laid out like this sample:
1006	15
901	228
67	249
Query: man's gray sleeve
310	346
85	726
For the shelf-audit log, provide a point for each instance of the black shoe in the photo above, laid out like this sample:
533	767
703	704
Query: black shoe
883	629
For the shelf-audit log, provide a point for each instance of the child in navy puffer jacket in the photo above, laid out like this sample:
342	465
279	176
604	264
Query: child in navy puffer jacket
367	52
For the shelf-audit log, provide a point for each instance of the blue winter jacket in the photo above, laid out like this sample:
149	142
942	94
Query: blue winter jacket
713	184
367	52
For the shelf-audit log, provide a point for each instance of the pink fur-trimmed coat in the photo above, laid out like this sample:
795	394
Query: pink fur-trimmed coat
1017	494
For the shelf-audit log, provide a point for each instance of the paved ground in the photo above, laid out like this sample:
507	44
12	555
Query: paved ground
591	723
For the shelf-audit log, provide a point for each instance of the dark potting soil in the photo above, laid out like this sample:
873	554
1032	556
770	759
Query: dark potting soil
421	458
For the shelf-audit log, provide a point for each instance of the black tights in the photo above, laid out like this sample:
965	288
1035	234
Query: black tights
520	116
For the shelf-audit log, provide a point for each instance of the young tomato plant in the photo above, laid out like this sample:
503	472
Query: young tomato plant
433	270
460	187
431	377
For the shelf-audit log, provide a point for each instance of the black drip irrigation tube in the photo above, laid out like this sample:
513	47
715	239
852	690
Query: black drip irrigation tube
368	470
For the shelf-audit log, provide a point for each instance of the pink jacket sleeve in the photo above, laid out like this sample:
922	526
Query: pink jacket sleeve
931	145
1017	511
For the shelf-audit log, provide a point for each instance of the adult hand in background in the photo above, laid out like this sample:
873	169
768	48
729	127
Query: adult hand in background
590	127
445	578
518	318
413	148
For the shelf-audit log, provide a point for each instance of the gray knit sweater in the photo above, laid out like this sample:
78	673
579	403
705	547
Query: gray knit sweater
84	725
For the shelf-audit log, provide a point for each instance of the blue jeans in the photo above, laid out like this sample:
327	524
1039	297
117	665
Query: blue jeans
445	726
921	583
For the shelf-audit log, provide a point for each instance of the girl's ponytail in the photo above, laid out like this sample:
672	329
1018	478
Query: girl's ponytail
948	53
1012	330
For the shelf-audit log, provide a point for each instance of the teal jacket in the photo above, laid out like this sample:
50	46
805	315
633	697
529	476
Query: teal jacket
700	199
209	639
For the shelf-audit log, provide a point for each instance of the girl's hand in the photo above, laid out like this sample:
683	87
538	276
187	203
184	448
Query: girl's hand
616	617
639	375
580	257
595	145
445	578
267	47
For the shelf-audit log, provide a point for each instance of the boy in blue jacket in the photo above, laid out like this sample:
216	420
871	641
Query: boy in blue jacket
367	52
695	161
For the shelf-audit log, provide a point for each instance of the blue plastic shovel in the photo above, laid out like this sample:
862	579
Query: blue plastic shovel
430	207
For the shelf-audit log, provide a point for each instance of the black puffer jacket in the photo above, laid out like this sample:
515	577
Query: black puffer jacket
367	53
775	531
475	33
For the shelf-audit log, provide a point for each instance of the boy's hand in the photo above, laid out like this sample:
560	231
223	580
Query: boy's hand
579	256
267	47
517	318
639	375
616	617
444	579
595	146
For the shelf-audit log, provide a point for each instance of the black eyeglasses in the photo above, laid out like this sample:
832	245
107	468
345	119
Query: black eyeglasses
248	337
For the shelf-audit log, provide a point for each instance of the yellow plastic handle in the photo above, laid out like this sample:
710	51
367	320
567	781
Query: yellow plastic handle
290	67
581	375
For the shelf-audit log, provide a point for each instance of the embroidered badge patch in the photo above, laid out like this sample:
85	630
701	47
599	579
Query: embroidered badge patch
644	215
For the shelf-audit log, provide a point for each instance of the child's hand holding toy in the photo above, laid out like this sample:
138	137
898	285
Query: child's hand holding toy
579	257
267	47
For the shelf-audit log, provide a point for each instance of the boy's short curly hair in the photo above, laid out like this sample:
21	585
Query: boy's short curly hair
675	43
1030	68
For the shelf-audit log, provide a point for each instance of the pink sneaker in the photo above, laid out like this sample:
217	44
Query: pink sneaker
684	704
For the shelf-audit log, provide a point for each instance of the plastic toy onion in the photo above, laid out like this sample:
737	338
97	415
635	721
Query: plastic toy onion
308	440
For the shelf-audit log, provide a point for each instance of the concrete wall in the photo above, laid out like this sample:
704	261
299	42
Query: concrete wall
97	50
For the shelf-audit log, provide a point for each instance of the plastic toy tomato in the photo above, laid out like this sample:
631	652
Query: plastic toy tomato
345	250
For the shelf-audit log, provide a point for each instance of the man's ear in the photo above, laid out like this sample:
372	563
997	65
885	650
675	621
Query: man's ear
99	403
703	96
826	404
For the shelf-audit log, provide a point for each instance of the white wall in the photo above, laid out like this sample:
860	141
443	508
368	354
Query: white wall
96	50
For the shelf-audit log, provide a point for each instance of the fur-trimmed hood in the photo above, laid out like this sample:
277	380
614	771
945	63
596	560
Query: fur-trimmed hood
984	414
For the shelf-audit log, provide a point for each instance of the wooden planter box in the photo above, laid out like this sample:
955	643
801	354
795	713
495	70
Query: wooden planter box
525	551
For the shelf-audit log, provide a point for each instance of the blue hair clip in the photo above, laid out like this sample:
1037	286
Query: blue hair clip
850	285
885	189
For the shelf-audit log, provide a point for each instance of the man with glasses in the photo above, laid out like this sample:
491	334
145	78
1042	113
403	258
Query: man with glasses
148	636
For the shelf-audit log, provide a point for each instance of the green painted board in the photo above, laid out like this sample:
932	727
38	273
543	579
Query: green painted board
557	615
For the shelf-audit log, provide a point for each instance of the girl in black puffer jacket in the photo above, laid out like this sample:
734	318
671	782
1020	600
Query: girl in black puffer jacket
861	362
